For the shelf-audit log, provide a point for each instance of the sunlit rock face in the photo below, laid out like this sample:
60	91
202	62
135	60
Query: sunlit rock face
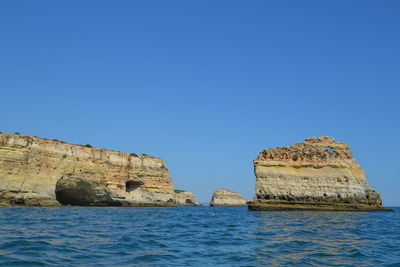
36	171
184	198
319	173
224	197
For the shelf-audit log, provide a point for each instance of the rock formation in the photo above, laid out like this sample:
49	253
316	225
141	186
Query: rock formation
224	197
317	174
36	171
184	198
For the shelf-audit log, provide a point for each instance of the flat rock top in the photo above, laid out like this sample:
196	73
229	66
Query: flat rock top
313	150
226	192
86	152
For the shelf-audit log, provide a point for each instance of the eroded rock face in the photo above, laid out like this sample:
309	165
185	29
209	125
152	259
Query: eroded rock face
35	171
224	197
319	173
184	198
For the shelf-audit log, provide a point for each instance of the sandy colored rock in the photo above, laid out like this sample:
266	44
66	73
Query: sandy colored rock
224	197
184	198
319	173
36	171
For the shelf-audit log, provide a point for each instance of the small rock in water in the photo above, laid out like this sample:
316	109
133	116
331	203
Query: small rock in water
224	197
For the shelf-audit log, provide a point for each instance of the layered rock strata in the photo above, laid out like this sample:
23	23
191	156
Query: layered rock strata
36	171
224	197
319	173
184	198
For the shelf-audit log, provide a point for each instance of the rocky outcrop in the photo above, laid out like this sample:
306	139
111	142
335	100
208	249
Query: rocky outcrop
317	174
36	171
224	197
184	198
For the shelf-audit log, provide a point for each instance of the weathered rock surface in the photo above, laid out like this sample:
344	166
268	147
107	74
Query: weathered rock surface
224	197
184	198
36	171
317	174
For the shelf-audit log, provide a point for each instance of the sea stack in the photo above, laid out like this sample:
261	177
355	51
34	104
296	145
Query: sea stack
318	174
227	198
184	198
40	172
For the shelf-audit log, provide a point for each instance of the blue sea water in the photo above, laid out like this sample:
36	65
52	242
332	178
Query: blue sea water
196	236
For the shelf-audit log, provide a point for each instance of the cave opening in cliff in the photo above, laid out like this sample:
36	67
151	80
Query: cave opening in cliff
132	185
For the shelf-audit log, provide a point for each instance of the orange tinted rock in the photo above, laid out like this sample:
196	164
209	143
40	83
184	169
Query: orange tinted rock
319	173
37	170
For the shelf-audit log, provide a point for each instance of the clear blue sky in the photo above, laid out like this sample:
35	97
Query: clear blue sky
206	85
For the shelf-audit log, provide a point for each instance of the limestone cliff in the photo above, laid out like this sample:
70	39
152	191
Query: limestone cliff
224	197
317	174
184	198
36	171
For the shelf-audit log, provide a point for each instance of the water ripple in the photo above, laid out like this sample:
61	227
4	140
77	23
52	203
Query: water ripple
199	236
